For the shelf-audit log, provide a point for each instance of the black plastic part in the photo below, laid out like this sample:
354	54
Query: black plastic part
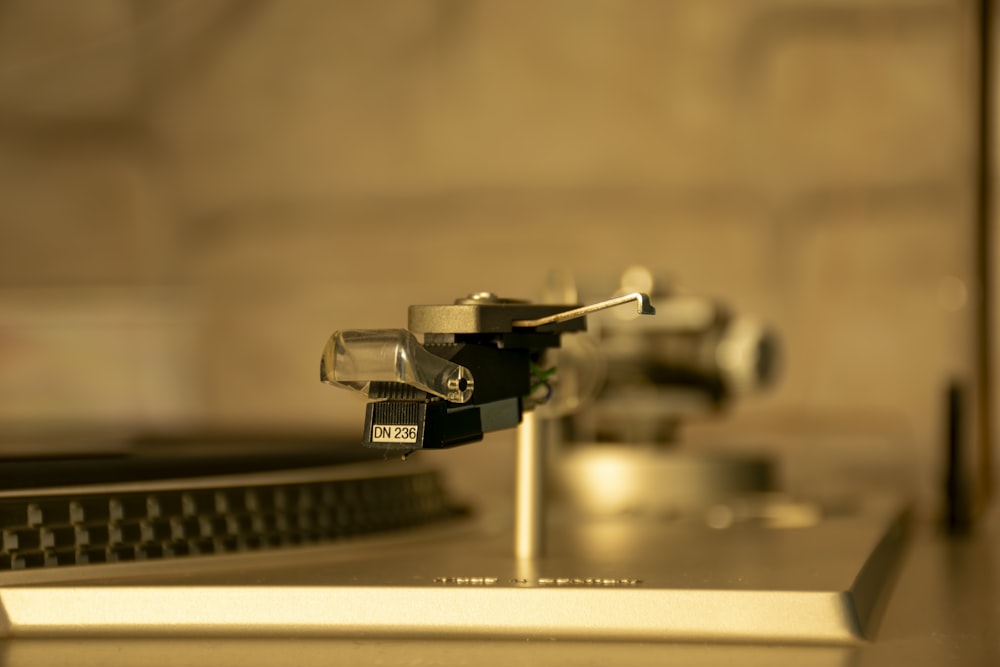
957	498
498	374
449	426
410	425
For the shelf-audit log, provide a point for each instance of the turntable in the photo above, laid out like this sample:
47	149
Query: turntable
350	547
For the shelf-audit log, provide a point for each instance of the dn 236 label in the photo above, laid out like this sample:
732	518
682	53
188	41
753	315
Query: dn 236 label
406	433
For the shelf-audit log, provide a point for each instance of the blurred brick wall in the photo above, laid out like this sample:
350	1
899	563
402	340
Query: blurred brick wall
253	175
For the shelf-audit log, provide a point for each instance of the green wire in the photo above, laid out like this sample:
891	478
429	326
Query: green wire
541	376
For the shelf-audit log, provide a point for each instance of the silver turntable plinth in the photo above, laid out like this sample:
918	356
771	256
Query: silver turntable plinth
639	579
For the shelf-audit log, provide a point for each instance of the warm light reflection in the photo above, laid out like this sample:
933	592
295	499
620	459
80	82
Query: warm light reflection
611	482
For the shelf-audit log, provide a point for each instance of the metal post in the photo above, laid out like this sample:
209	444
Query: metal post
529	505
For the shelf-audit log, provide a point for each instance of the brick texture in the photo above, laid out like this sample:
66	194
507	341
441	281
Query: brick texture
297	167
